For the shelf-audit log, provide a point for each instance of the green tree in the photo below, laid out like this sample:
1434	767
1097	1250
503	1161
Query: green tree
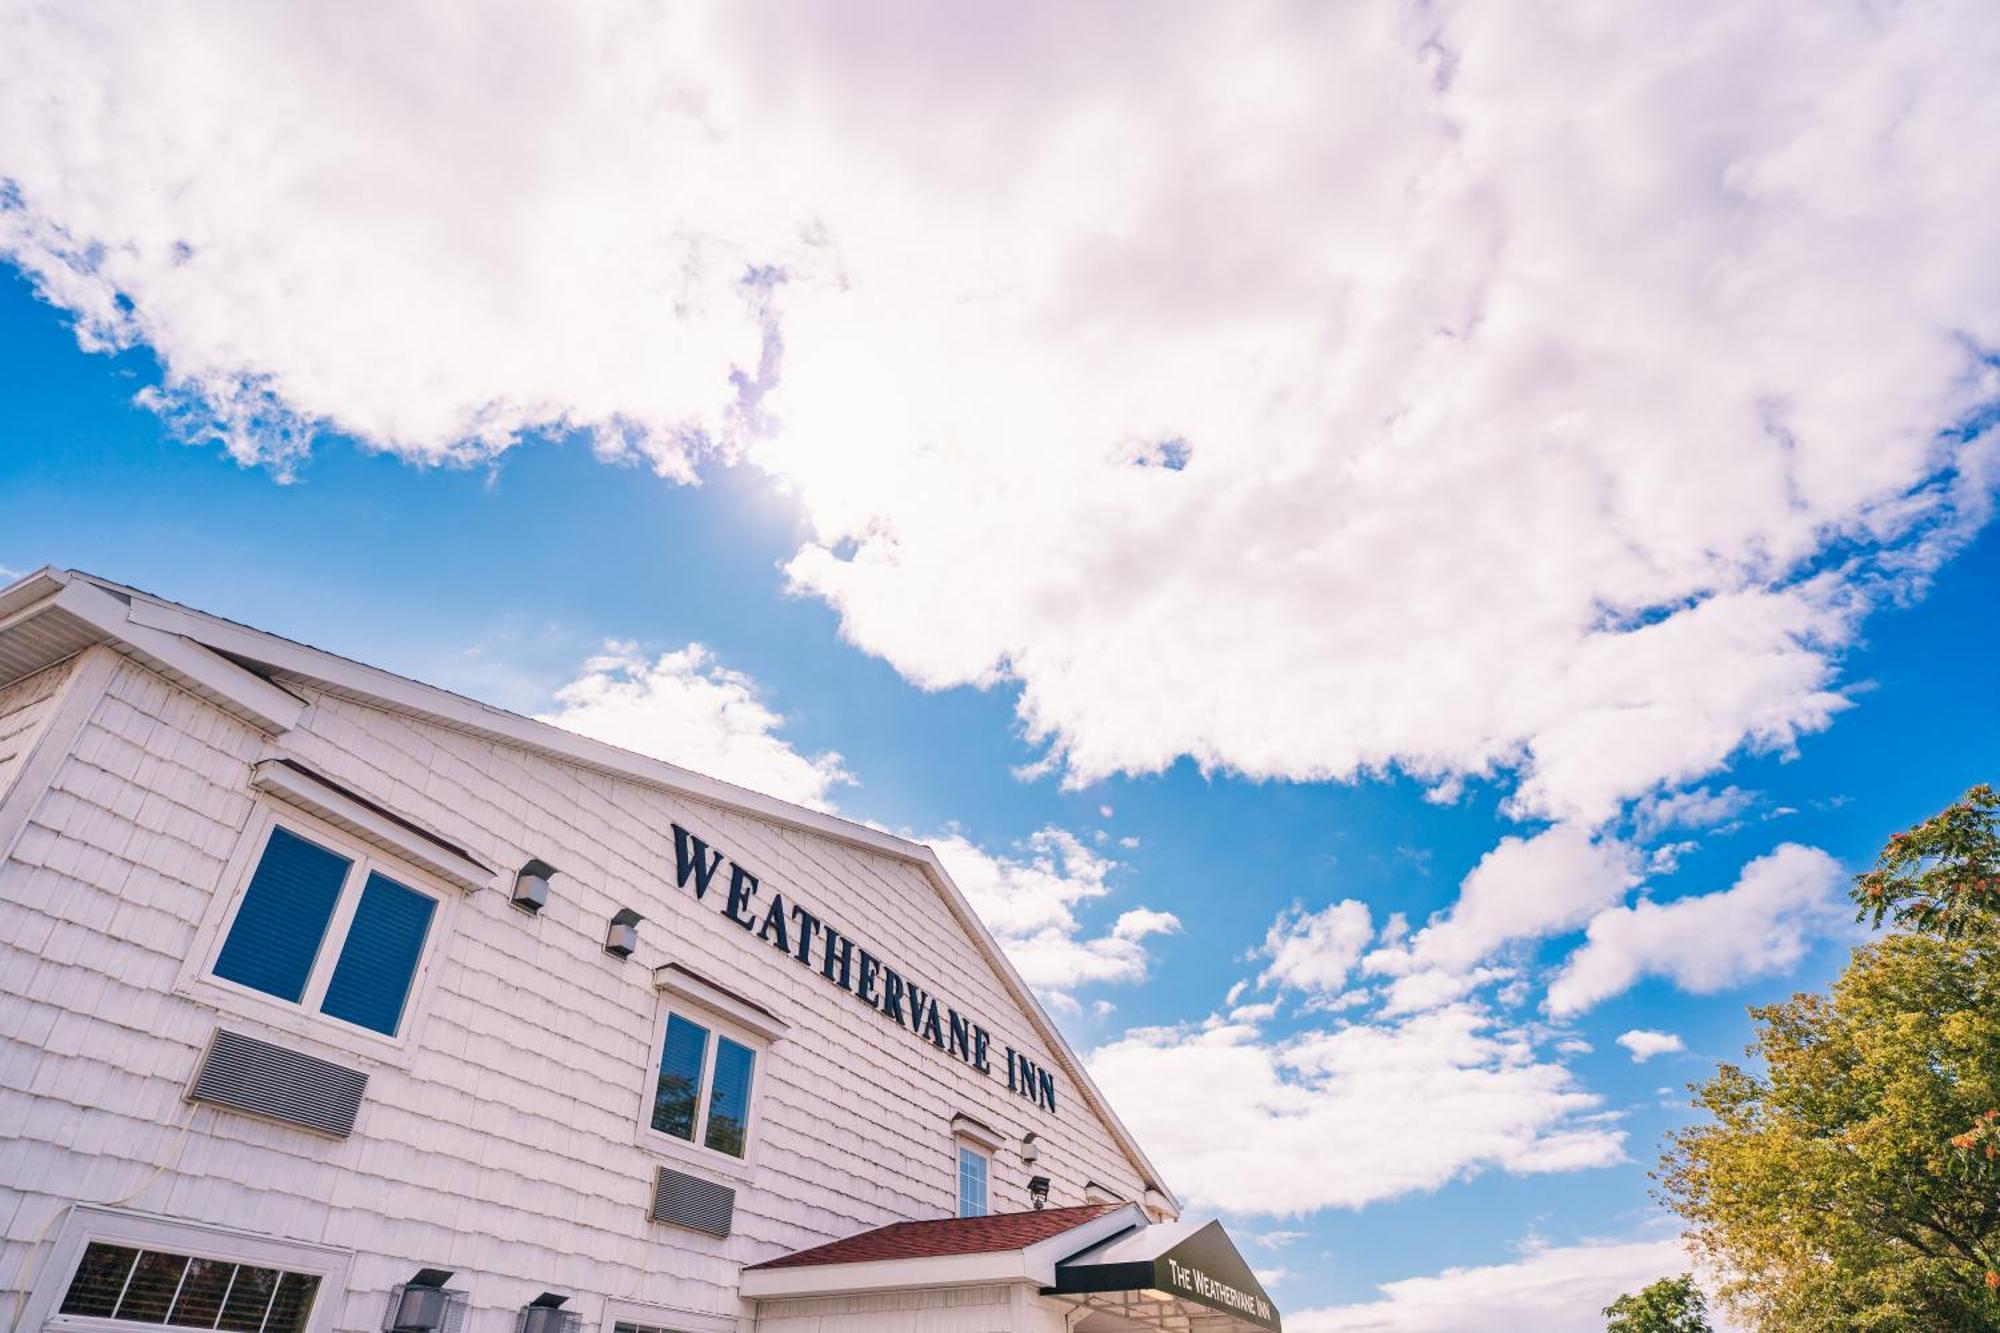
1942	876
1671	1305
1840	1188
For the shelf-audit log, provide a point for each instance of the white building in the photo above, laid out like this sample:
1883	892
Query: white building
333	1001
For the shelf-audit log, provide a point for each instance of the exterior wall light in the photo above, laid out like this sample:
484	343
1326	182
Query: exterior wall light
425	1305
545	1314
623	935
531	886
1031	1149
1038	1192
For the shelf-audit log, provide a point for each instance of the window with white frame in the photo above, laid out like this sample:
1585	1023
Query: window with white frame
324	925
707	1075
974	1168
129	1284
112	1271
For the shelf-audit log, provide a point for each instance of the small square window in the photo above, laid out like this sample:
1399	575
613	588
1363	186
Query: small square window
328	931
973	1169
703	1091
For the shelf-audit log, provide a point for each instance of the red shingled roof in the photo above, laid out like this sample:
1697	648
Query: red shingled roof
946	1235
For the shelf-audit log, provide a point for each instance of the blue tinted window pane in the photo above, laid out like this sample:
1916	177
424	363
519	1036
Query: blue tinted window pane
729	1099
372	979
276	935
680	1078
971	1183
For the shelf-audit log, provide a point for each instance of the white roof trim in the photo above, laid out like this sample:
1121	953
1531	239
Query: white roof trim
308	791
1035	1264
677	980
179	657
149	626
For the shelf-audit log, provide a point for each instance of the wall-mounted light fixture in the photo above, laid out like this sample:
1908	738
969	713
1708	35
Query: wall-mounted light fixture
545	1314
623	935
1031	1148
425	1305
1038	1192
531	886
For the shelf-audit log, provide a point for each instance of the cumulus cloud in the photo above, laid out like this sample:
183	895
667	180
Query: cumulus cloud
688	709
1759	926
1307	390
1645	1043
1029	902
1552	1289
1348	1116
1697	807
1523	890
1315	951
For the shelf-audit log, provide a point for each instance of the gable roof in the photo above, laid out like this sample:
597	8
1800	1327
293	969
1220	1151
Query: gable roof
50	615
945	1236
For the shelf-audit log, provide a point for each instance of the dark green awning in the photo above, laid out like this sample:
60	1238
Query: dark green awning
1171	1264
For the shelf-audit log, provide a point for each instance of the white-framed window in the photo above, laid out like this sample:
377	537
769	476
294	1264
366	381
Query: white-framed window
703	1087
326	924
115	1272
975	1171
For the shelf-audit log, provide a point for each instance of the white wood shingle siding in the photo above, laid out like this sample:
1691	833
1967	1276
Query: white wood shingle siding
499	1140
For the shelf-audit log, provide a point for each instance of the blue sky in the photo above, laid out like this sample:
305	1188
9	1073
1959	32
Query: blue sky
1314	655
501	581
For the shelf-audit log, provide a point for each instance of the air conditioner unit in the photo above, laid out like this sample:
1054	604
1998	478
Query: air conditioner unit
425	1305
545	1314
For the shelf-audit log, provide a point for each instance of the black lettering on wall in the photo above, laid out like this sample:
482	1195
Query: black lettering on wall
791	929
774	919
692	857
742	888
892	994
808	927
839	950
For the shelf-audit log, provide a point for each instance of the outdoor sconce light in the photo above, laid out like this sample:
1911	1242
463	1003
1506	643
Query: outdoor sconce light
1038	1192
545	1314
1031	1149
531	886
623	936
425	1305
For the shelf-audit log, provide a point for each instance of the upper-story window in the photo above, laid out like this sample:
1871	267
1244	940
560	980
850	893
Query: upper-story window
703	1092
974	1168
328	930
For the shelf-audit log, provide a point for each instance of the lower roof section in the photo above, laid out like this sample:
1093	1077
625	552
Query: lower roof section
1106	1259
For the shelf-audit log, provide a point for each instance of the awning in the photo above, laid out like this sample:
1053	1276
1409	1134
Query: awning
1172	1275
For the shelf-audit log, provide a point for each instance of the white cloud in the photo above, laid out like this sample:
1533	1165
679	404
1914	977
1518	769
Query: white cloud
1760	925
1696	807
1315	951
1348	1116
688	709
1645	1043
1309	390
1522	890
1029	902
1558	1289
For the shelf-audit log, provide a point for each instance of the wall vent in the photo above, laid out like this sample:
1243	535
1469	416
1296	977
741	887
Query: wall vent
245	1074
688	1201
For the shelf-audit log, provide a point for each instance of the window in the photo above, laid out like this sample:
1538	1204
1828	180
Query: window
144	1286
973	1166
328	931
703	1091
